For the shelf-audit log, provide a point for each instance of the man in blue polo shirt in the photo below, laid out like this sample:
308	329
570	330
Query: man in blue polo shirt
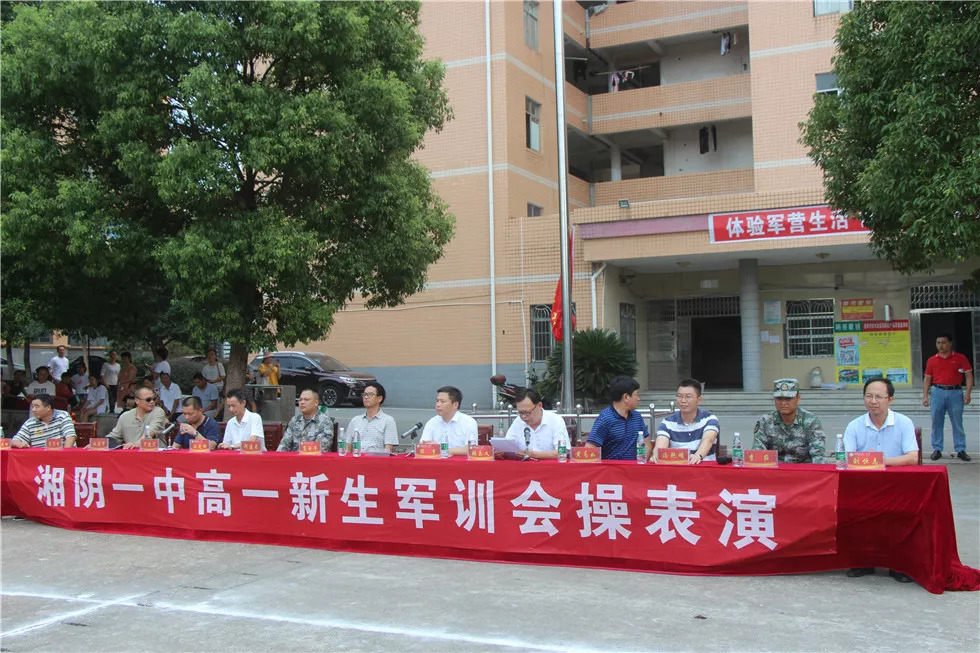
615	430
691	427
195	425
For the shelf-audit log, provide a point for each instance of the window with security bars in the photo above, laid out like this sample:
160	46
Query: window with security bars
627	325
809	330
531	23
542	340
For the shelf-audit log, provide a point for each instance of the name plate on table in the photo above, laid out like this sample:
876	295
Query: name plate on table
149	444
673	456
866	460
427	451
310	448
98	444
480	452
761	458
4	443
200	446
52	443
251	447
586	455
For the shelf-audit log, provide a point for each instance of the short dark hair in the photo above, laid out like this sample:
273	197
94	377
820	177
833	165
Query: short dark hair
236	394
193	401
137	391
126	354
91	376
197	375
148	377
455	395
690	383
622	385
42	367
944	335
881	379
380	389
44	399
527	393
162	353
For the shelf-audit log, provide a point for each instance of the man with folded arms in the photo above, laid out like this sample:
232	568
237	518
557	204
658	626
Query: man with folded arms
244	424
309	426
133	424
45	422
690	427
449	424
376	428
195	425
796	434
942	391
544	428
170	394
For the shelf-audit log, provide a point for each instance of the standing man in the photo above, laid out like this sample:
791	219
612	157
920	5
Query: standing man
244	425
196	426
43	385
795	433
214	373
147	419
160	366
449	424
170	395
375	427
690	427
615	430
207	393
45	422
309	426
110	377
59	363
536	431
942	391
126	381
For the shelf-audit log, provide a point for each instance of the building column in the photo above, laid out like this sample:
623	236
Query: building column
615	162
750	309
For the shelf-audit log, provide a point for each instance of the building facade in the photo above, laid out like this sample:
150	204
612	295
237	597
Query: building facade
701	234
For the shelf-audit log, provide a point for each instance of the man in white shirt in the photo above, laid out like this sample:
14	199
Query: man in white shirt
160	366
450	425
544	429
43	385
59	363
170	396
244	425
110	376
96	400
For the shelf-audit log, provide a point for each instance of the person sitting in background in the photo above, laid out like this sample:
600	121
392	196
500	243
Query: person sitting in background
126	382
207	393
146	420
244	425
18	384
794	433
45	422
689	427
309	426
615	430
170	395
195	425
79	382
43	385
96	402
63	390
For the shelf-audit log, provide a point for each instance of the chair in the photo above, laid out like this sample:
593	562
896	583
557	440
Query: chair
484	433
84	432
273	435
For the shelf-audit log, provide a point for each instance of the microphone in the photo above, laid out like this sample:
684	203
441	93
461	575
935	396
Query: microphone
170	428
527	437
412	431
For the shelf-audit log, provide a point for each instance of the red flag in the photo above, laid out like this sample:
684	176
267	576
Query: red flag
556	307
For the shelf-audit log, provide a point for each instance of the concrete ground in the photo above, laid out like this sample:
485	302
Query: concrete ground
75	591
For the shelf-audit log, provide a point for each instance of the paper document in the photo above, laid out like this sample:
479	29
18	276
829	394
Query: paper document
505	445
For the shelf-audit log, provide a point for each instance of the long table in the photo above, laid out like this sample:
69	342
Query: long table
704	519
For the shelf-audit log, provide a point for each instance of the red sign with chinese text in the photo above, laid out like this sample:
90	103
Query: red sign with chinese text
427	451
483	452
586	455
251	447
672	456
310	448
761	458
200	446
796	222
857	309
52	443
865	460
98	444
4	443
149	444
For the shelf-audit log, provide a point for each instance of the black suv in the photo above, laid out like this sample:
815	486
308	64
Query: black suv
335	382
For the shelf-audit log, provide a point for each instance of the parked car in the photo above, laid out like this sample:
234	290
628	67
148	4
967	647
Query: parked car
332	380
3	367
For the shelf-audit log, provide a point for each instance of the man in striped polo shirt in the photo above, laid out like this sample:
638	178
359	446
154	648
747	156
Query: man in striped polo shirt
616	428
46	422
691	427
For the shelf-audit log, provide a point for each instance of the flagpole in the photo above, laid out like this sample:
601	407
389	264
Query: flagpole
568	385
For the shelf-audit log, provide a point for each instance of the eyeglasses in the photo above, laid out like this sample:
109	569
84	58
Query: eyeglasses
687	397
148	399
369	394
876	397
525	413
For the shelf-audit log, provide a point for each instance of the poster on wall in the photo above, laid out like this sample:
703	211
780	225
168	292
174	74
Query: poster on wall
865	349
857	309
772	311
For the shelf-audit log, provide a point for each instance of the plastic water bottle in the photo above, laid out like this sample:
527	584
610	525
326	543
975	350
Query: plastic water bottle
356	442
501	429
738	458
641	449
341	442
562	451
146	433
444	448
839	454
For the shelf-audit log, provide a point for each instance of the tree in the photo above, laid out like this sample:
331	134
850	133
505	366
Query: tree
900	145
250	162
598	357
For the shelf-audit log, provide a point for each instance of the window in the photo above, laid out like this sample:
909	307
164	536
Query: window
627	325
823	7
541	339
827	83
809	328
531	24
79	341
532	124
46	338
533	210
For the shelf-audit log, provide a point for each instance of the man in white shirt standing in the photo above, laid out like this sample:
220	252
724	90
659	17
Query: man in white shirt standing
536	430
170	396
59	363
160	366
450	425
110	377
244	425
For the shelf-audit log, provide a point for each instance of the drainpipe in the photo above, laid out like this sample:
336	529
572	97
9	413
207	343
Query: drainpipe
493	274
592	284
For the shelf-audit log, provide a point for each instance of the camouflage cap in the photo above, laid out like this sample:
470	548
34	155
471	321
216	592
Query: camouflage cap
786	388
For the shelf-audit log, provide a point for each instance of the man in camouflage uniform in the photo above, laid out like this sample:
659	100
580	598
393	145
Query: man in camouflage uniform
795	433
310	425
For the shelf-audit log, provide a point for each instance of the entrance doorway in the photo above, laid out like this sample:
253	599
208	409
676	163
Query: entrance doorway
958	324
716	351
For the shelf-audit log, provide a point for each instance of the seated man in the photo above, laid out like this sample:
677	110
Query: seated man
615	430
45	422
376	428
195	425
450	425
96	400
689	427
146	420
795	433
64	390
18	385
170	395
310	425
881	429
536	431
207	393
244	425
43	386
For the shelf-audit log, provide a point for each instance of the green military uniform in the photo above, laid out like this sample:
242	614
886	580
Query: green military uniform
299	429
799	442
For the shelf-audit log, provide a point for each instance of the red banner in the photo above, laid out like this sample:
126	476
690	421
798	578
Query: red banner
701	516
796	222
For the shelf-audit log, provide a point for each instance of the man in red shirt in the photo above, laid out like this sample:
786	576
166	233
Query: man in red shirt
942	392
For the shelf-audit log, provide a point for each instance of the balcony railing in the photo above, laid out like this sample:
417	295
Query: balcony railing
723	182
641	21
576	108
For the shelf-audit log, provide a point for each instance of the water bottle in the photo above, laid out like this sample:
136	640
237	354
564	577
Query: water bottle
738	459
146	433
341	442
641	449
562	451
501	429
356	442
444	448
839	454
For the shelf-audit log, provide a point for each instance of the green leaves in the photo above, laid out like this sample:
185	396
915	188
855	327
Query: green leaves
598	356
